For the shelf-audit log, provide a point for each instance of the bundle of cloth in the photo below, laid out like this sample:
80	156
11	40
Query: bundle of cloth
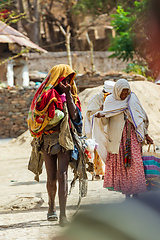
47	100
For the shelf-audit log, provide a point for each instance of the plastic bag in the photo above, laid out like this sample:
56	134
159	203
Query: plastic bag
57	117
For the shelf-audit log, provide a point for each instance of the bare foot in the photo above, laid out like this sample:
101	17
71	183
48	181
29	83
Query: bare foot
63	222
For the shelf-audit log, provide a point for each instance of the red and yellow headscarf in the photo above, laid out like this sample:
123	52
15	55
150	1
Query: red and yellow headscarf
46	99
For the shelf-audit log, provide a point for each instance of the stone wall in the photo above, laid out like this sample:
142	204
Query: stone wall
14	106
45	61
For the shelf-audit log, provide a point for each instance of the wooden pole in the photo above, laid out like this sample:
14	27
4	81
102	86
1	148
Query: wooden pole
91	53
67	35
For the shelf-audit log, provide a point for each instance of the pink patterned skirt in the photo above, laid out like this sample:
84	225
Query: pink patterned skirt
128	180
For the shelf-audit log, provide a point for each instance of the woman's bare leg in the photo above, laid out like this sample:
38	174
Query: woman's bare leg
51	169
62	175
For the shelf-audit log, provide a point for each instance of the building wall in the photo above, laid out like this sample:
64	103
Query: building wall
45	61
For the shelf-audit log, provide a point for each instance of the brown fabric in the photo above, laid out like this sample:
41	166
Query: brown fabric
50	140
65	137
80	170
36	159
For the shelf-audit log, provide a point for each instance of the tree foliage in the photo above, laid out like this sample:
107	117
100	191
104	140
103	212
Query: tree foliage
8	12
99	6
94	7
138	36
40	18
127	24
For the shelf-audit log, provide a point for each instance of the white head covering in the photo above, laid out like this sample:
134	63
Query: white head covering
108	86
113	105
119	86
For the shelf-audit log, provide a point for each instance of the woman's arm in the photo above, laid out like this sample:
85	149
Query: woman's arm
73	112
99	115
72	109
103	118
149	139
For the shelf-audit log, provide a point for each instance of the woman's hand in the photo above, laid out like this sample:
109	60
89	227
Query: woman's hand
148	139
99	115
101	108
65	88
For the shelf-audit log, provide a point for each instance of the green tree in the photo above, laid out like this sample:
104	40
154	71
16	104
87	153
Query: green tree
8	12
128	25
99	6
138	36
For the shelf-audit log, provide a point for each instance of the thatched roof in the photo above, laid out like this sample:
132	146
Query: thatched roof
11	35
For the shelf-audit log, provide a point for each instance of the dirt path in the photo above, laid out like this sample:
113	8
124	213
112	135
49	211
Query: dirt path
23	206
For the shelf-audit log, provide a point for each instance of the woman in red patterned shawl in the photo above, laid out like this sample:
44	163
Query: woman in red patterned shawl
54	110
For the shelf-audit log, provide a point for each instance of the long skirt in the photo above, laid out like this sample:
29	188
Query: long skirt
128	180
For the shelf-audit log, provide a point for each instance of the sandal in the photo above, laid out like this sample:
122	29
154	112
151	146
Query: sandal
52	216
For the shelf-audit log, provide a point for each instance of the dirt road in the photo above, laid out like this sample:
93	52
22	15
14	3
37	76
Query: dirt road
23	206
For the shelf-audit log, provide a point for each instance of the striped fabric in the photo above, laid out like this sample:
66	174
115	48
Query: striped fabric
127	155
153	184
151	166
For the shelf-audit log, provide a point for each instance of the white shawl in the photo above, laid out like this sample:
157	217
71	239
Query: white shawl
137	115
96	130
131	106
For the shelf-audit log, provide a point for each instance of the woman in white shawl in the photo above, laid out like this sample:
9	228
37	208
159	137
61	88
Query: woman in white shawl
97	131
127	125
